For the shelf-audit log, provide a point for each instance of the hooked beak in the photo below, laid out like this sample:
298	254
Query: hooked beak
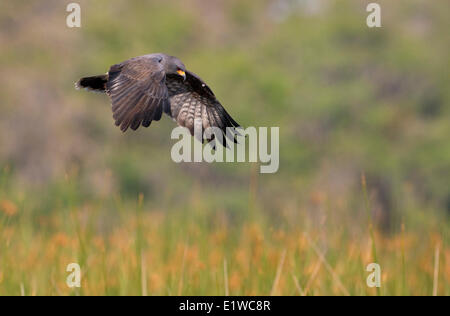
182	74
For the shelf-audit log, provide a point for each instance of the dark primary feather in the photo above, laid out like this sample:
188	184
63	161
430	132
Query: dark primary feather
137	91
192	103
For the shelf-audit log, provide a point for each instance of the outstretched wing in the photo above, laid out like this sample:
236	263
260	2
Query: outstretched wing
192	104
138	92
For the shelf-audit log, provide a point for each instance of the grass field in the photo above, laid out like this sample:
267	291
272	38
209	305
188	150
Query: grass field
133	248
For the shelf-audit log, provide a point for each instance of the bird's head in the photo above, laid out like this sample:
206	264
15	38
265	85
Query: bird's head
176	67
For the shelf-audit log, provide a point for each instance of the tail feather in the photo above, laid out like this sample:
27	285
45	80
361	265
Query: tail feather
94	83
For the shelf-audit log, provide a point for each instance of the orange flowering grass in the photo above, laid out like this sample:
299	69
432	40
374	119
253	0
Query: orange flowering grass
202	251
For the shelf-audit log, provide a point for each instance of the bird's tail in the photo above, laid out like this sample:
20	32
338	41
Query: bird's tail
94	83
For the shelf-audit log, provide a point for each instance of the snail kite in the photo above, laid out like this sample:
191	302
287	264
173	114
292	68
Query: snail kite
144	87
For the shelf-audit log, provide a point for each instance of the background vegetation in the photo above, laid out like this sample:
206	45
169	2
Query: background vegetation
352	103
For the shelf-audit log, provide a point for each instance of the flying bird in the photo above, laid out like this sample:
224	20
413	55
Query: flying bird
144	87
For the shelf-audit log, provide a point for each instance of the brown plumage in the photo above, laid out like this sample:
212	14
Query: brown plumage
144	87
